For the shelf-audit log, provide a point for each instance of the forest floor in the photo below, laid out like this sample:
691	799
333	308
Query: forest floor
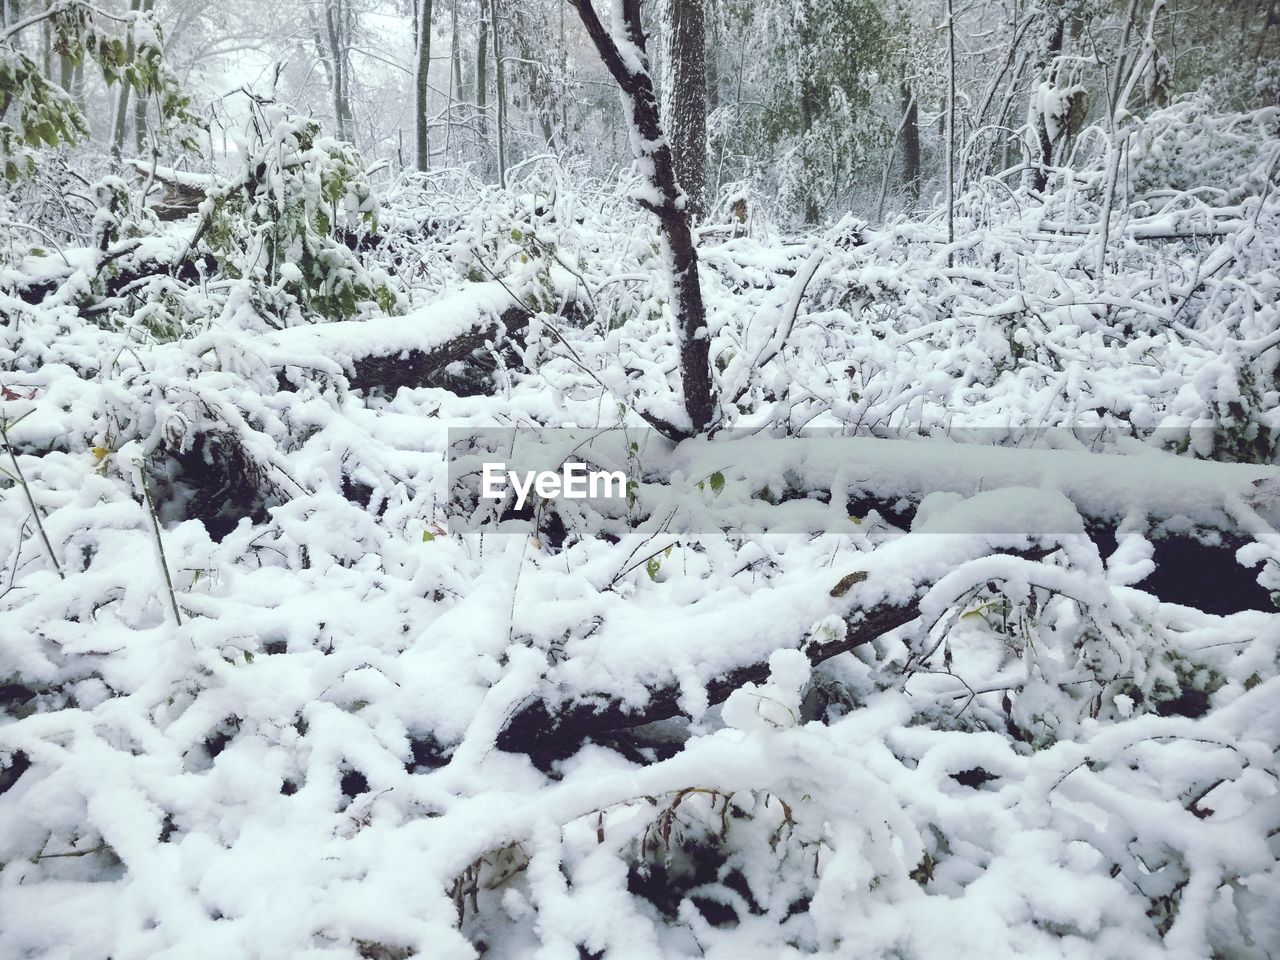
980	657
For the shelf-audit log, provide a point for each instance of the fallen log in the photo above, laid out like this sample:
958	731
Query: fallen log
544	729
414	350
871	602
99	276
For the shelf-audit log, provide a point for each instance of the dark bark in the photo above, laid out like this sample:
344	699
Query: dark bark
910	145
808	97
128	273
1188	572
650	146
482	91
547	729
685	99
422	63
500	95
426	367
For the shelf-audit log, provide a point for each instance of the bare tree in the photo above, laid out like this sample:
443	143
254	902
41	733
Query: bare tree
482	60
951	129
910	143
649	145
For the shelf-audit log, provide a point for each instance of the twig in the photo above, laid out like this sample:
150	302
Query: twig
26	489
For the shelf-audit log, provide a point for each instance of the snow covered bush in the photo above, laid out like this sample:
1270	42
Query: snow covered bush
290	217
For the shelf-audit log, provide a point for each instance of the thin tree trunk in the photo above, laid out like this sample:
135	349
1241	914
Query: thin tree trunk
1116	141
140	103
122	99
951	130
455	82
910	145
907	112
482	92
500	93
684	105
650	147
421	65
1040	171
806	125
46	49
334	21
564	74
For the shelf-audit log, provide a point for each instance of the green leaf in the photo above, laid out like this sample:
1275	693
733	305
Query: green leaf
717	482
652	568
427	536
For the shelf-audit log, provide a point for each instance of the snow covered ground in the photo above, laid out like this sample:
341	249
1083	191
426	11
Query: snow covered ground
255	693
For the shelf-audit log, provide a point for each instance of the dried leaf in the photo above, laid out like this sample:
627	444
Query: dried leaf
847	583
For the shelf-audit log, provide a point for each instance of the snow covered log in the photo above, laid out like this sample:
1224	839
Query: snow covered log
870	602
1171	493
118	269
409	351
1196	513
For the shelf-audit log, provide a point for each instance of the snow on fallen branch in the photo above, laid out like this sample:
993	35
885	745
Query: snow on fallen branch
1104	488
884	594
391	352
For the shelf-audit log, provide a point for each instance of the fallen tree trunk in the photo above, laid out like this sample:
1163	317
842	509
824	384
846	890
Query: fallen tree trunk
545	729
110	274
871	602
409	351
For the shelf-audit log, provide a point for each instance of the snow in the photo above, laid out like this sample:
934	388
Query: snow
1039	757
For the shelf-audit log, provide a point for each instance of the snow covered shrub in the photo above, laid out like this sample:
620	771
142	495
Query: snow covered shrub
290	219
1196	146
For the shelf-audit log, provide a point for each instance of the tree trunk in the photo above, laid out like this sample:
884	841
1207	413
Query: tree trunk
422	64
334	34
650	147
684	90
951	130
1040	170
46	50
807	96
910	145
482	91
500	94
140	103
122	100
